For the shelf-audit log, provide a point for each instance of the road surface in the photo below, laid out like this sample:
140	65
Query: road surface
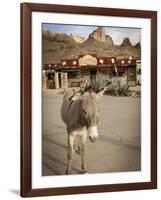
118	148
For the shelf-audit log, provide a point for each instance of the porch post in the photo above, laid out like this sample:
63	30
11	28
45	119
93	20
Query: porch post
56	80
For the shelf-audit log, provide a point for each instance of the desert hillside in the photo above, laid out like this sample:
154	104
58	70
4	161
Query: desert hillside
59	46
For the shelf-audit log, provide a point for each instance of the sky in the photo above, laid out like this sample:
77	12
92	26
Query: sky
117	33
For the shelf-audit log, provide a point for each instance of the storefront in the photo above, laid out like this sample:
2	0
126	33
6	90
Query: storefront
74	72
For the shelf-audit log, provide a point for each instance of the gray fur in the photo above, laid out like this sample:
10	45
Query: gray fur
81	115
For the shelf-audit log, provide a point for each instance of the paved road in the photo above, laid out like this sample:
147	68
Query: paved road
117	149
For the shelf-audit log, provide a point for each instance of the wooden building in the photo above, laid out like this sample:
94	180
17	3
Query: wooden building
74	72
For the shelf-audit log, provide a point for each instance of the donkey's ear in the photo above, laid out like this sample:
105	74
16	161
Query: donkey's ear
101	92
75	97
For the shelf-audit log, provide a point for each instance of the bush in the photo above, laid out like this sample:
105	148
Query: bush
116	89
97	82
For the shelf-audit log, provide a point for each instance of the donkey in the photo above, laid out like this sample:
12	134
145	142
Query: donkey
81	115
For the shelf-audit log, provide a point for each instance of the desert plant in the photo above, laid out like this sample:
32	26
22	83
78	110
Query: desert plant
97	82
116	89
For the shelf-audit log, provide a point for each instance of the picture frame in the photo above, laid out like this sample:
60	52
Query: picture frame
27	9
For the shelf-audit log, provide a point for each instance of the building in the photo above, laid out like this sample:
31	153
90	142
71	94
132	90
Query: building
74	72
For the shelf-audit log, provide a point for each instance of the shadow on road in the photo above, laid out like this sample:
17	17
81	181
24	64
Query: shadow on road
52	169
56	160
120	143
54	142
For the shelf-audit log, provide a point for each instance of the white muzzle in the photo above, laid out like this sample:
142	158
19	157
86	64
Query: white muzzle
93	133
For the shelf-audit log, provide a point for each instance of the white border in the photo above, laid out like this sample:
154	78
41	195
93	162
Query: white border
91	179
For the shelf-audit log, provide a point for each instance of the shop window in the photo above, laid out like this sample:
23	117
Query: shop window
85	72
73	75
50	76
118	71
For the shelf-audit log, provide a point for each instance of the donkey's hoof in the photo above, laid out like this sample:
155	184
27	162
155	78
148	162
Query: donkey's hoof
67	172
85	172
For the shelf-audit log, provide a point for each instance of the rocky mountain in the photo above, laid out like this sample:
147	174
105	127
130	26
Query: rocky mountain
57	37
100	35
126	42
109	40
46	34
59	46
138	45
78	39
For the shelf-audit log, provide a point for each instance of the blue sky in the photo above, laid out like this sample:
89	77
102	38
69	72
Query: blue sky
117	33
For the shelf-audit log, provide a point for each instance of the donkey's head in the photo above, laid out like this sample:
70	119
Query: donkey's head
90	111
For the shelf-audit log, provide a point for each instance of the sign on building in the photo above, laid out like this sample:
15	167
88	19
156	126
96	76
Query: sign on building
87	60
64	80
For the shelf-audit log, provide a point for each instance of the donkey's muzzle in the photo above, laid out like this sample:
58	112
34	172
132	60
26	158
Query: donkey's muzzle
93	134
92	139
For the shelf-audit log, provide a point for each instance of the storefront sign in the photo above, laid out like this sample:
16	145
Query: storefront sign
64	80
87	60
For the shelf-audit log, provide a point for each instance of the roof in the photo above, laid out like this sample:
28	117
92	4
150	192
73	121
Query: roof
99	62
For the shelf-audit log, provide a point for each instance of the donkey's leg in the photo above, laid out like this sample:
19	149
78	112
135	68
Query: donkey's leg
70	153
83	139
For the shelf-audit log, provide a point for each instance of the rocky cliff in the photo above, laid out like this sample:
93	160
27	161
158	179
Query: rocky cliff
138	45
99	34
109	40
78	39
126	43
58	46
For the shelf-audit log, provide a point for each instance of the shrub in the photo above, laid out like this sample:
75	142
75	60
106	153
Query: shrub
116	89
97	82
